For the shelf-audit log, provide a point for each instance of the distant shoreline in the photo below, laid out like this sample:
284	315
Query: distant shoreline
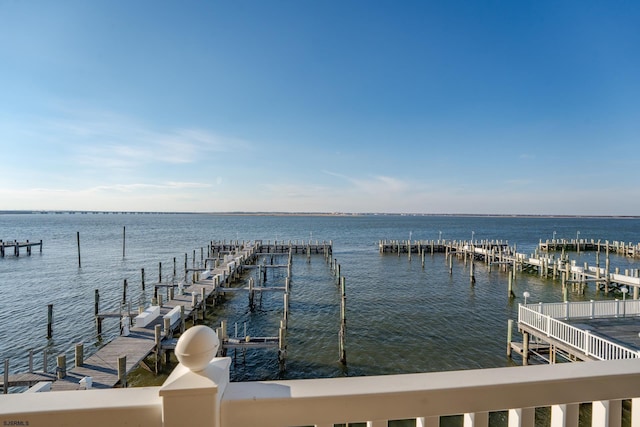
336	214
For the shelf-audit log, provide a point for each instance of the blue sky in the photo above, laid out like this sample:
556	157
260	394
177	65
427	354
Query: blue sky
486	107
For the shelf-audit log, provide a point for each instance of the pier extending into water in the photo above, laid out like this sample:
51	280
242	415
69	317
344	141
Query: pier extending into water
151	330
500	254
583	245
9	246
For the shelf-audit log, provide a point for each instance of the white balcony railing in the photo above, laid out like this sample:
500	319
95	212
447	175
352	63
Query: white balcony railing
203	397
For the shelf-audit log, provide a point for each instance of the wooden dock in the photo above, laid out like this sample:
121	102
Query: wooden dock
16	245
140	342
499	254
109	366
584	245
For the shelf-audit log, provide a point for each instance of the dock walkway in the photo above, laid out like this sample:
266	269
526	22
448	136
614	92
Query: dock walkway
156	335
499	253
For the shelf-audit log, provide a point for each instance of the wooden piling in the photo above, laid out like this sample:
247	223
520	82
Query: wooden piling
157	334
525	348
49	321
79	354
159	272
472	277
5	389
285	314
343	323
510	292
509	336
166	324
79	260
124	238
122	370
124	292
203	297
61	366
182	319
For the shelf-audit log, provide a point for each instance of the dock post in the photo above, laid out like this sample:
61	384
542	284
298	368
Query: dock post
5	389
525	348
174	267
285	315
61	366
78	238
159	272
182	321
185	268
450	264
49	321
282	346
422	256
166	323
158	340
124	238
79	354
472	277
122	370
40	245
142	277
30	360
96	302
251	291
124	292
509	336
203	295
511	294
343	323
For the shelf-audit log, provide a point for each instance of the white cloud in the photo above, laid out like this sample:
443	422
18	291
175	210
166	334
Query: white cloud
376	185
103	139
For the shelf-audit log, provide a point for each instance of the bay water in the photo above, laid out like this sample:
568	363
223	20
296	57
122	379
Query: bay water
401	317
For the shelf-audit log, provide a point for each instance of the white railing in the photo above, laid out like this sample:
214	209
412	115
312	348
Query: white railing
204	397
582	340
588	309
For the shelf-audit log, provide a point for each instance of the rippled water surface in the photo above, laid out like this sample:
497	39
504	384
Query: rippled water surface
401	317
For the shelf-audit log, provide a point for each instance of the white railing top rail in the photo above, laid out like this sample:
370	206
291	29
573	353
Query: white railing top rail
198	393
582	340
588	309
327	401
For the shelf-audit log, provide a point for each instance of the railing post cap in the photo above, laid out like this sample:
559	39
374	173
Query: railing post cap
197	347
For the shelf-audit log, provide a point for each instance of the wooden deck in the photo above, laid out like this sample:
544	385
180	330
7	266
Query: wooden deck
622	331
